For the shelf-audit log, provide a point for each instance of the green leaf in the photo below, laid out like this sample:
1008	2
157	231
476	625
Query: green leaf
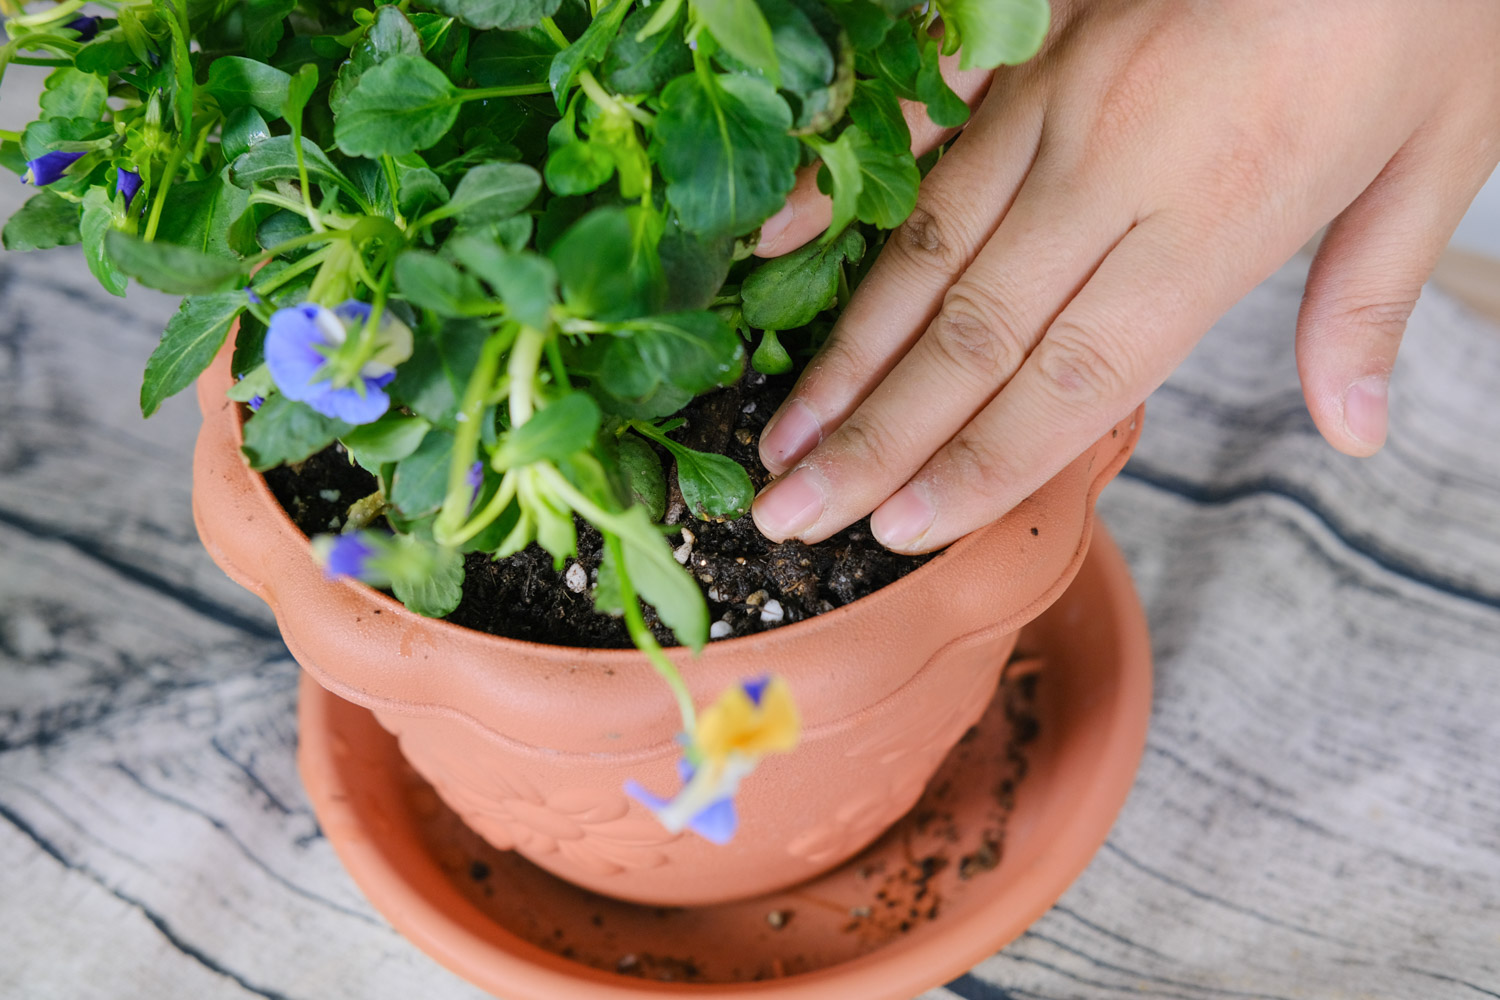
283	431
897	61
429	282
432	381
70	93
552	434
694	268
169	268
645	480
76	135
99	219
839	177
590	47
492	192
191	341
47	220
275	159
607	265
400	106
713	486
439	590
303	84
507	14
421	188
722	144
390	34
236	82
265	23
511	58
788	292
770	358
655	365
421	479
944	107
635	65
996	32
525	282
243	128
107	53
742	31
876	185
203	215
804	59
866	23
389	439
578	168
876	110
661	582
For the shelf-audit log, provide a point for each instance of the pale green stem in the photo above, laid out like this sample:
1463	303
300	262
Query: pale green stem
640	634
168	173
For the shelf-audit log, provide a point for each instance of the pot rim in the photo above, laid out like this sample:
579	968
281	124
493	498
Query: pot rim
218	379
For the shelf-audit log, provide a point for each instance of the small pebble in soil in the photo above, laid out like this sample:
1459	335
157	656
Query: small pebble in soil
778	918
332	496
756	599
772	612
577	578
720	629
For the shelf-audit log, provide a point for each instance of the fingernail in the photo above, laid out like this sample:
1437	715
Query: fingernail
904	518
792	434
772	228
790	506
1366	405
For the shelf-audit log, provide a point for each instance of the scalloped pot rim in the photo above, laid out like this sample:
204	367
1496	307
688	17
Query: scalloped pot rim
246	531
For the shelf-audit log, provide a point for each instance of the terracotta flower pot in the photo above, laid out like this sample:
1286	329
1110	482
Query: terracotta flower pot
532	744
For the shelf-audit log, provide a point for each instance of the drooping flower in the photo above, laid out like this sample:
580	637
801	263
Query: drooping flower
127	182
86	26
750	720
49	167
302	340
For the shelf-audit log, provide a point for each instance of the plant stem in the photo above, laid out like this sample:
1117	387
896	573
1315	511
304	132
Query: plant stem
302	266
555	33
640	634
525	359
513	90
167	174
450	528
31	61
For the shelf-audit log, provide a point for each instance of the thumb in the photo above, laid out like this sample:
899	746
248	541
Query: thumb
1362	287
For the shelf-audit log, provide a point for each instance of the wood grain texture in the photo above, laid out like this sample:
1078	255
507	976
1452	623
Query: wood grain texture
1317	815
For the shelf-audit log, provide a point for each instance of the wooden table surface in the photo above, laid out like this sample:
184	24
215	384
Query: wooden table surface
1317	813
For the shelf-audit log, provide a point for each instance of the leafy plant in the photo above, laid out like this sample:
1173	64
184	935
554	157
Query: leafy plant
493	246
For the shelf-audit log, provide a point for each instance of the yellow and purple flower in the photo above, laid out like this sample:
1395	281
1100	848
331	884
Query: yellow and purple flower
302	342
749	721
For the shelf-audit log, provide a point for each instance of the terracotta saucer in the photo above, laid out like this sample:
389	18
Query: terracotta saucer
1012	817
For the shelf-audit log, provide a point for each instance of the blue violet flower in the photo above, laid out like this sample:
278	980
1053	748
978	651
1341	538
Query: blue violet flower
345	555
127	182
302	340
86	26
49	167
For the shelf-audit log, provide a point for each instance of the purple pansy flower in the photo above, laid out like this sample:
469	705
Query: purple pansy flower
301	339
49	167
475	479
347	555
86	26
127	182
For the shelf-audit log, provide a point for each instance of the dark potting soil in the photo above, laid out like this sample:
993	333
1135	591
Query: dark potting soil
752	583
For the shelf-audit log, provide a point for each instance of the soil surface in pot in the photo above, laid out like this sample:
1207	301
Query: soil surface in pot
752	583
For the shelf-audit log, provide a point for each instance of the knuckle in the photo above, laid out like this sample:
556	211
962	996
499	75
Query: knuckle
933	237
1074	368
976	468
1382	319
867	446
974	334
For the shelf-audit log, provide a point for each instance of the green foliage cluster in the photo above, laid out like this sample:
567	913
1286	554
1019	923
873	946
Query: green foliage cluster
557	197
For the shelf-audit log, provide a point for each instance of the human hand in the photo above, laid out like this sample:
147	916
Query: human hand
1106	204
